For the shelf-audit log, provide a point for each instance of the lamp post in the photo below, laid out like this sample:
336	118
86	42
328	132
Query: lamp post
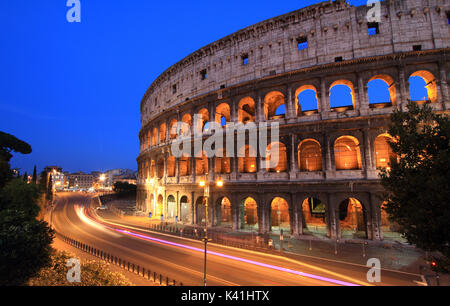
205	184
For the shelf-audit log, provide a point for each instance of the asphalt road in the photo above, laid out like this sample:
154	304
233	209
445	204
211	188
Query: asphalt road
183	259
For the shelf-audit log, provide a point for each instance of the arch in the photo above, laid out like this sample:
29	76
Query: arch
185	210
347	153
279	215
246	110
152	168
173	128
272	101
148	139
422	86
247	163
160	167
185	165
276	157
222	165
223	112
249	214
306	99
171	208
383	151
159	207
390	229
154	135
309	155
201	210
171	163
352	218
201	164
381	89
313	217
187	124
204	120
162	133
224	212
342	94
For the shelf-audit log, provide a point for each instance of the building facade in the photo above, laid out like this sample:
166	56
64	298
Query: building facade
81	181
326	180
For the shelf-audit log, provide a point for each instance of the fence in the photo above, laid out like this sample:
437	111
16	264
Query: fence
146	273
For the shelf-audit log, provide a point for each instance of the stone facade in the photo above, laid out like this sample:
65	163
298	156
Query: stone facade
244	76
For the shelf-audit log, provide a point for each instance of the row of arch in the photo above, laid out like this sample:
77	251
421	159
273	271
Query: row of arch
381	92
347	156
352	216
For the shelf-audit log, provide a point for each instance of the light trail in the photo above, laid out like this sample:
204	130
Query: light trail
256	263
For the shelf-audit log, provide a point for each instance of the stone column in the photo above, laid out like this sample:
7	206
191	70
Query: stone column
193	209
233	110
443	86
324	100
377	234
290	105
177	170
404	88
362	104
294	169
260	116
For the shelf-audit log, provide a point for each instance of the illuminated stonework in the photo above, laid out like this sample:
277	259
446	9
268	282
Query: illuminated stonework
327	180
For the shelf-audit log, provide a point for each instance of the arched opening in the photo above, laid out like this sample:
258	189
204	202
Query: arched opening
159	207
247	163
186	125
276	157
204	120
309	155
306	100
185	215
279	215
222	115
390	229
272	102
160	167
246	110
422	87
152	168
249	214
224	212
152	206
162	133
154	136
149	138
173	126
222	165
342	95
171	207
185	166
171	162
347	153
352	219
201	210
146	171
201	164
383	151
381	91
313	217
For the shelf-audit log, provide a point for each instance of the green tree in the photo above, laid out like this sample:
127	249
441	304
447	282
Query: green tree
8	144
124	189
34	175
417	184
50	188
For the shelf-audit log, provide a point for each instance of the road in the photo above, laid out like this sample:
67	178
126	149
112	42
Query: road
183	259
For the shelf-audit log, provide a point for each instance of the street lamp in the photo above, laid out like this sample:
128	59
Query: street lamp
205	184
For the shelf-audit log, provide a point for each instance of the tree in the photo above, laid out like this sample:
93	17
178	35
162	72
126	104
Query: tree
124	189
25	177
8	144
50	188
417	183
34	175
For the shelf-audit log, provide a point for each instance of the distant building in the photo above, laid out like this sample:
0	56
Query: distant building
57	176
80	180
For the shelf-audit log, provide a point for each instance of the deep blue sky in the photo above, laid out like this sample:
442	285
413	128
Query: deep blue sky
73	90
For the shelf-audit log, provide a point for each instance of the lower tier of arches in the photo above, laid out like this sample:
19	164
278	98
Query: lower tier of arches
343	210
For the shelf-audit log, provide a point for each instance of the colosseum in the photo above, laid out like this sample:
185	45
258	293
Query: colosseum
313	71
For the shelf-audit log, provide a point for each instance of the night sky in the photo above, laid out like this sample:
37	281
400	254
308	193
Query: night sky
73	90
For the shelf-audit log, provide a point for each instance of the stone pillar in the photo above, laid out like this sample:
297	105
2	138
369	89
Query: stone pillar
332	221
363	103
290	105
293	167
324	100
377	234
260	116
193	209
404	88
234	212
443	86
177	170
